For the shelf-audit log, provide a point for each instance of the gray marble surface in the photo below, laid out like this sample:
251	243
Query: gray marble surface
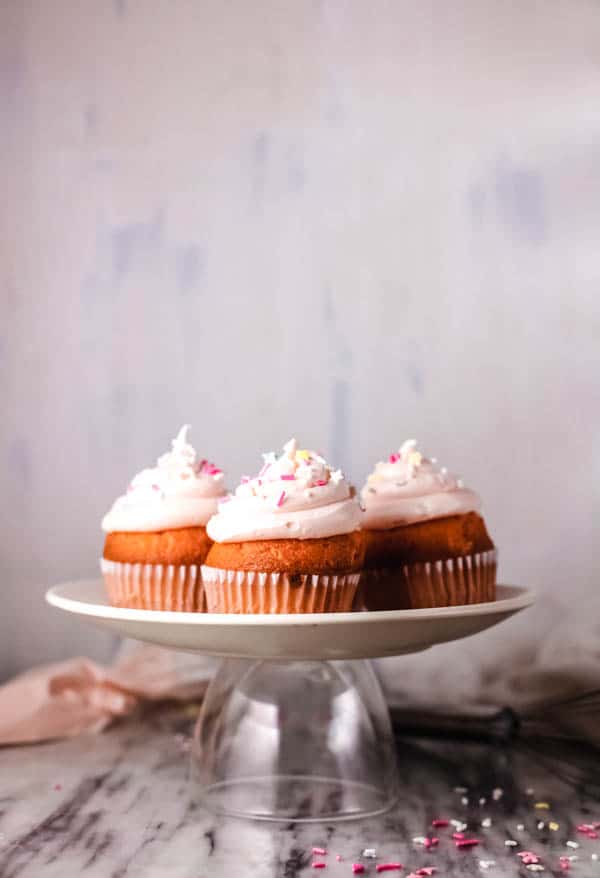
118	804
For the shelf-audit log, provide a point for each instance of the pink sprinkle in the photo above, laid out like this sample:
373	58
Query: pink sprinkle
393	458
564	863
58	787
426	870
320	851
245	480
458	836
320	483
438	824
357	868
388	867
467	843
338	858
592	834
288	478
319	865
430	843
281	499
528	858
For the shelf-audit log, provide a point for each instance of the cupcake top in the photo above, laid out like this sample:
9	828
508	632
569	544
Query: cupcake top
295	496
409	487
180	491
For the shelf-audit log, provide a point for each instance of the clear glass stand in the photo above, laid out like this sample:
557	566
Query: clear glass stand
286	740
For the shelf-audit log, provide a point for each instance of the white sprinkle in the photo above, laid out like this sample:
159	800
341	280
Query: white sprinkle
486	823
510	843
460	790
573	858
541	824
497	793
572	844
486	864
419	839
594	857
535	867
464	800
482	801
520	827
458	825
529	791
370	853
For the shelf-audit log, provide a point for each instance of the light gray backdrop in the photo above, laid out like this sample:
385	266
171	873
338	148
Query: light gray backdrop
353	222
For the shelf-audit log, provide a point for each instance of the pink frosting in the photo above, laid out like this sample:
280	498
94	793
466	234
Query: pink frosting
295	496
408	488
180	491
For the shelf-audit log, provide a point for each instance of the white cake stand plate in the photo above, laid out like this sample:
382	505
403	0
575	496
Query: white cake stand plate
294	725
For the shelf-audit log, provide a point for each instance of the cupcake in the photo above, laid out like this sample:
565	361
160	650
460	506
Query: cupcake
427	544
156	536
288	541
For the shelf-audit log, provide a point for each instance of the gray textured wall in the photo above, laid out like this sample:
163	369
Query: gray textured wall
350	221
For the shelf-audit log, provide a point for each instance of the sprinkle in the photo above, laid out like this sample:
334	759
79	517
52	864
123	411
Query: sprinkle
393	458
497	793
288	478
320	483
458	836
458	825
594	857
426	870
528	857
486	864
510	843
319	865
58	787
541	824
358	868
467	843
321	851
281	499
369	853
572	844
542	806
419	839
535	867
431	842
440	823
529	791
338	858
460	790
520	827
482	801
486	822
464	801
564	863
388	867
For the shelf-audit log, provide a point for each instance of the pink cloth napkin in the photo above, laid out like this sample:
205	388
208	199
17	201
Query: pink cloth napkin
78	695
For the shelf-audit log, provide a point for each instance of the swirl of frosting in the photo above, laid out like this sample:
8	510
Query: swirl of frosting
294	496
180	491
408	488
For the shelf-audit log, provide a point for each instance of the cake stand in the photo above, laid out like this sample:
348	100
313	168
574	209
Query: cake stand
294	725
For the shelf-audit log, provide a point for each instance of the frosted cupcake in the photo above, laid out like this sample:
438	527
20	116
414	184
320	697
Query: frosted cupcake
427	544
156	536
288	541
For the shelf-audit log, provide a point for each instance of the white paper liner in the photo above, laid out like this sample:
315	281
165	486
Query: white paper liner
247	591
175	587
469	579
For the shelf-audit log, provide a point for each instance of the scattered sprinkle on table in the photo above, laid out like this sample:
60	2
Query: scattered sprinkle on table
464	800
320	852
553	826
388	867
486	864
370	853
357	868
486	822
319	865
466	843
511	843
497	793
572	844
542	806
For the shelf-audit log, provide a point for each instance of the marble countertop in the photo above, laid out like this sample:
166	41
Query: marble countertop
117	804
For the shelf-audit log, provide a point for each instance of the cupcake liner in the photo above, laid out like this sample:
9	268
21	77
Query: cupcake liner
248	591
470	579
154	586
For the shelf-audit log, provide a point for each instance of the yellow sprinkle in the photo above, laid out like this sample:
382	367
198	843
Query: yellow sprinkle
542	806
303	454
553	826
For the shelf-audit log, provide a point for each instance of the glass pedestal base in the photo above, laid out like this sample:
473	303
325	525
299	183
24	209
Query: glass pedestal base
294	741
